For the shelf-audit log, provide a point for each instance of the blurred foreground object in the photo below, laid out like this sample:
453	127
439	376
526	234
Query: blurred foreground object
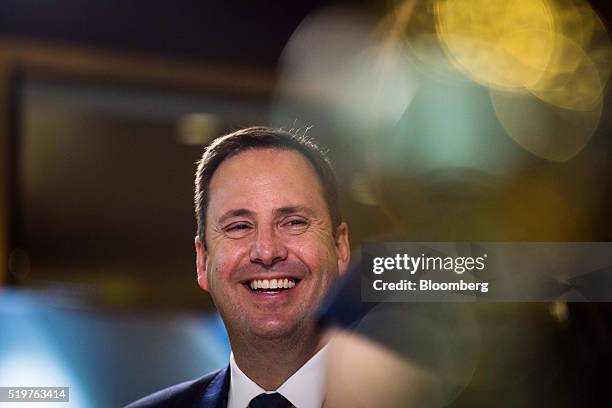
545	62
465	120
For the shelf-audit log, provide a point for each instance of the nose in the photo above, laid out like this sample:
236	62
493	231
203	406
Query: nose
268	247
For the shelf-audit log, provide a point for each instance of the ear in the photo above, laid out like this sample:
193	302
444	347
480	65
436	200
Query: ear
343	248
201	256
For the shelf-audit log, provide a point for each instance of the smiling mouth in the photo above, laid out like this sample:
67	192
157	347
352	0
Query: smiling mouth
271	285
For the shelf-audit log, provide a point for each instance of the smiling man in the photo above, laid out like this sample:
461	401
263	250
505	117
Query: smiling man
270	244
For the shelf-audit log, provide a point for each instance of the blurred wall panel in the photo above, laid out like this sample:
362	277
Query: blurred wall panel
106	181
100	151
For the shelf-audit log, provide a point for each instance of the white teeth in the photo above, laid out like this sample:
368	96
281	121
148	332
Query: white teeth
285	283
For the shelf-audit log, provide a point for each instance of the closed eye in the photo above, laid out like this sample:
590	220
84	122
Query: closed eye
295	224
235	227
238	229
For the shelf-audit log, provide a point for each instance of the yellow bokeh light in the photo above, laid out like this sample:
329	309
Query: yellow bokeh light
576	88
413	23
546	63
545	130
559	50
493	42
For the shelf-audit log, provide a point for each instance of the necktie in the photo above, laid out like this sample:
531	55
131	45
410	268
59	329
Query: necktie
275	400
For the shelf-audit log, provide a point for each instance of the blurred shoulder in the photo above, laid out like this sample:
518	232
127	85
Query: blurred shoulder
186	394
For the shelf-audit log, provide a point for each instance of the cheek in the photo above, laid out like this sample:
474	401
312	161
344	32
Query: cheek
225	259
318	256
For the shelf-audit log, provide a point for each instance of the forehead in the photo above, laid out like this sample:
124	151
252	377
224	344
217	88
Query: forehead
264	179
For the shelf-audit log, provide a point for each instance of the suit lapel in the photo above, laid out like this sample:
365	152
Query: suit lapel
215	395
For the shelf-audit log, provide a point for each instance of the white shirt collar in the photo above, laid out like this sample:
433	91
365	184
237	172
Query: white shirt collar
304	389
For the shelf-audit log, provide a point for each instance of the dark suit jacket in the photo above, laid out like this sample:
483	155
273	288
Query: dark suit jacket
210	391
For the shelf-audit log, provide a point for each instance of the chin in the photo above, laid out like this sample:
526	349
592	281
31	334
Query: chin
275	329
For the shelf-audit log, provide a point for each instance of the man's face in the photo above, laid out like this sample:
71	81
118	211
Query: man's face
271	255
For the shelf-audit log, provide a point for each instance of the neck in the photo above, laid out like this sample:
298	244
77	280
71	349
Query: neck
270	362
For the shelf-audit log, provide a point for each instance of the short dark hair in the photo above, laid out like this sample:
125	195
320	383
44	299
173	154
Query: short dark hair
231	144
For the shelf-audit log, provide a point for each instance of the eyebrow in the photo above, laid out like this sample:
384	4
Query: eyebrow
293	210
240	212
243	212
